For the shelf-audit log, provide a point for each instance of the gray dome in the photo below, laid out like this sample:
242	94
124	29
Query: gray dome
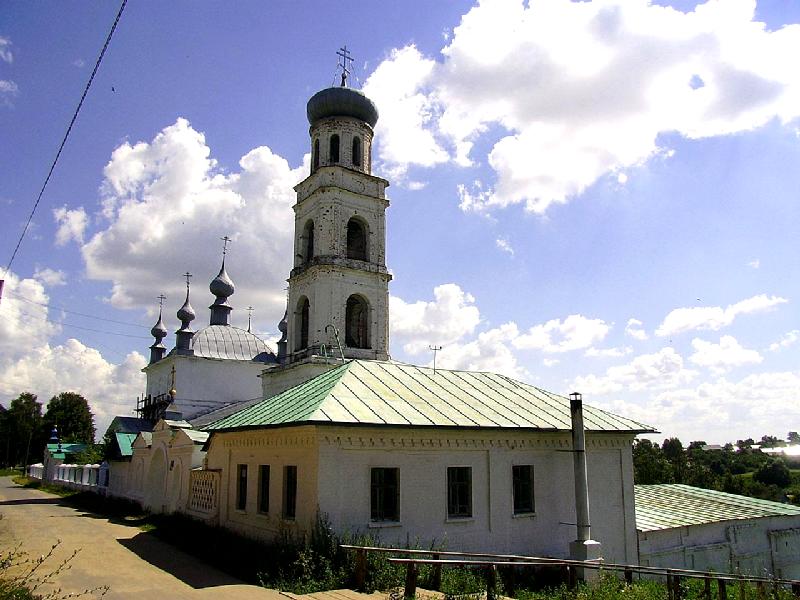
186	312
221	285
159	331
226	341
341	102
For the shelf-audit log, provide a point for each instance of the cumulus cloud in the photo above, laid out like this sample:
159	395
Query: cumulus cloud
787	339
580	90
8	89
576	332
5	50
165	205
489	351
71	224
723	356
50	277
714	317
449	317
663	369
24	320
754	264
504	245
609	352
634	329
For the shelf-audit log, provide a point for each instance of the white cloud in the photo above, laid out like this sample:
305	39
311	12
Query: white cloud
723	356
71	224
24	320
415	186
573	333
402	133
550	362
79	62
609	352
787	339
754	264
8	89
449	317
714	317
165	206
490	351
663	369
50	277
5	50
504	245
634	329
578	90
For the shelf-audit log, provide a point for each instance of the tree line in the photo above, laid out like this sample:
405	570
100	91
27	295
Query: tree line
25	430
738	469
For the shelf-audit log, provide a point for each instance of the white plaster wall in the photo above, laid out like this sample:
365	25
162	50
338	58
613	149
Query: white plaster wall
752	546
204	383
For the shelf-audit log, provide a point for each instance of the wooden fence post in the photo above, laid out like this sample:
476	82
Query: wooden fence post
411	580
670	587
491	582
707	588
676	581
742	589
722	592
796	589
511	581
361	569
572	576
760	590
436	584
628	576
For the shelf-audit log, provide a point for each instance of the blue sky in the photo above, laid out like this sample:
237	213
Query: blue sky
596	196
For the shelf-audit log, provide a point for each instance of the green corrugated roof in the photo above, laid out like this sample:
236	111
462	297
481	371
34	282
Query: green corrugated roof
389	393
125	441
668	505
66	448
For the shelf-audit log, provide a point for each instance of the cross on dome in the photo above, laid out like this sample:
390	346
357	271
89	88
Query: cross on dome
344	55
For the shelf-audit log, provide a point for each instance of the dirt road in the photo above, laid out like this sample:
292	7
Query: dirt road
132	563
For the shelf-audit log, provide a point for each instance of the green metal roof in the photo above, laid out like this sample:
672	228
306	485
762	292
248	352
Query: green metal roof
125	443
66	448
389	393
668	505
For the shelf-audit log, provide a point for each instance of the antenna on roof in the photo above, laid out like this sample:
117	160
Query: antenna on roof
435	350
249	310
344	54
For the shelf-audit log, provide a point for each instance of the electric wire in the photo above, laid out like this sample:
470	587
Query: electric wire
15	296
63	324
66	135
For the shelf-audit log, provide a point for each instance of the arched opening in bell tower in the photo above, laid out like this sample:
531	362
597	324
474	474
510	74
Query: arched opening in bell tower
301	322
357	322
333	150
356	239
315	156
356	151
307	242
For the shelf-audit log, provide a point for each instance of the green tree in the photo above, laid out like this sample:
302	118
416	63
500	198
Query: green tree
649	464
71	414
769	441
793	437
774	472
672	450
22	422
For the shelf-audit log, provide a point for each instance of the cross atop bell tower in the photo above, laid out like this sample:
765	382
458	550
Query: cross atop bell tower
340	277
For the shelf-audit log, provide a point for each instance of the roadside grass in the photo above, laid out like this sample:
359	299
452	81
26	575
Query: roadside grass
35	484
9	471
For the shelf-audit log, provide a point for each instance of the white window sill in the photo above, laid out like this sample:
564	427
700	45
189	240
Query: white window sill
383	524
524	515
459	520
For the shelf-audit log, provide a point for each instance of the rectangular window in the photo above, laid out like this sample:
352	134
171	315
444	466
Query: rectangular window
289	492
263	489
241	487
522	476
459	492
384	494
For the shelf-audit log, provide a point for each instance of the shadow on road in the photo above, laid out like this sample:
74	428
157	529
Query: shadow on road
178	564
55	500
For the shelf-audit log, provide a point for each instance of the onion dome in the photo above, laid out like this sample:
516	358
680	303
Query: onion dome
186	313
283	327
159	332
222	287
341	102
183	337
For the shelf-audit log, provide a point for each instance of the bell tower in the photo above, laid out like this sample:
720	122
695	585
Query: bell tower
339	282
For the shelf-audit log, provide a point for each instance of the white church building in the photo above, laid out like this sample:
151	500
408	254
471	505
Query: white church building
474	461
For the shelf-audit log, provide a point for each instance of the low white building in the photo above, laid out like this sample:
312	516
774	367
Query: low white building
684	527
473	461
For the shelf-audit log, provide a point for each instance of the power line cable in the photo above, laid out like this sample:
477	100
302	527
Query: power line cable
15	296
63	324
66	135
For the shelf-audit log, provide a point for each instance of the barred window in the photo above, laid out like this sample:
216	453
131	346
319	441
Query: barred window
385	494
459	492
522	477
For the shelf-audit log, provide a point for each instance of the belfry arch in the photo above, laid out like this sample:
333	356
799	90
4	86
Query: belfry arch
302	318
357	322
357	239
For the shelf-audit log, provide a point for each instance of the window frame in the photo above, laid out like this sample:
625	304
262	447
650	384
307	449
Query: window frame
519	495
241	487
379	491
289	504
263	490
459	508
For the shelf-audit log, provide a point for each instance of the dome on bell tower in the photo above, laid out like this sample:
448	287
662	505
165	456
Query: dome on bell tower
341	102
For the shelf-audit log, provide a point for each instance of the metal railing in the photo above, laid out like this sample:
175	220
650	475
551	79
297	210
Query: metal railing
572	570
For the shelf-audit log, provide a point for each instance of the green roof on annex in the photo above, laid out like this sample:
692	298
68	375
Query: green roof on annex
367	392
668	505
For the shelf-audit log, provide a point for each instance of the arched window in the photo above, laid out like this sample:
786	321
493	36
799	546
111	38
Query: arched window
315	159
308	242
356	240
356	322
356	151
333	154
301	319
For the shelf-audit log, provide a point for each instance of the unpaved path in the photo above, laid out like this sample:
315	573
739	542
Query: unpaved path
132	563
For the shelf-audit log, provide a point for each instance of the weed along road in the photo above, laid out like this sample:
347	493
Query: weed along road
134	564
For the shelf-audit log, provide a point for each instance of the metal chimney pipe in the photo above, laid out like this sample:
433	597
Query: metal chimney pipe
579	462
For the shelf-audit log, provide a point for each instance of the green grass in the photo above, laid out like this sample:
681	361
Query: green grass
10	471
35	484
